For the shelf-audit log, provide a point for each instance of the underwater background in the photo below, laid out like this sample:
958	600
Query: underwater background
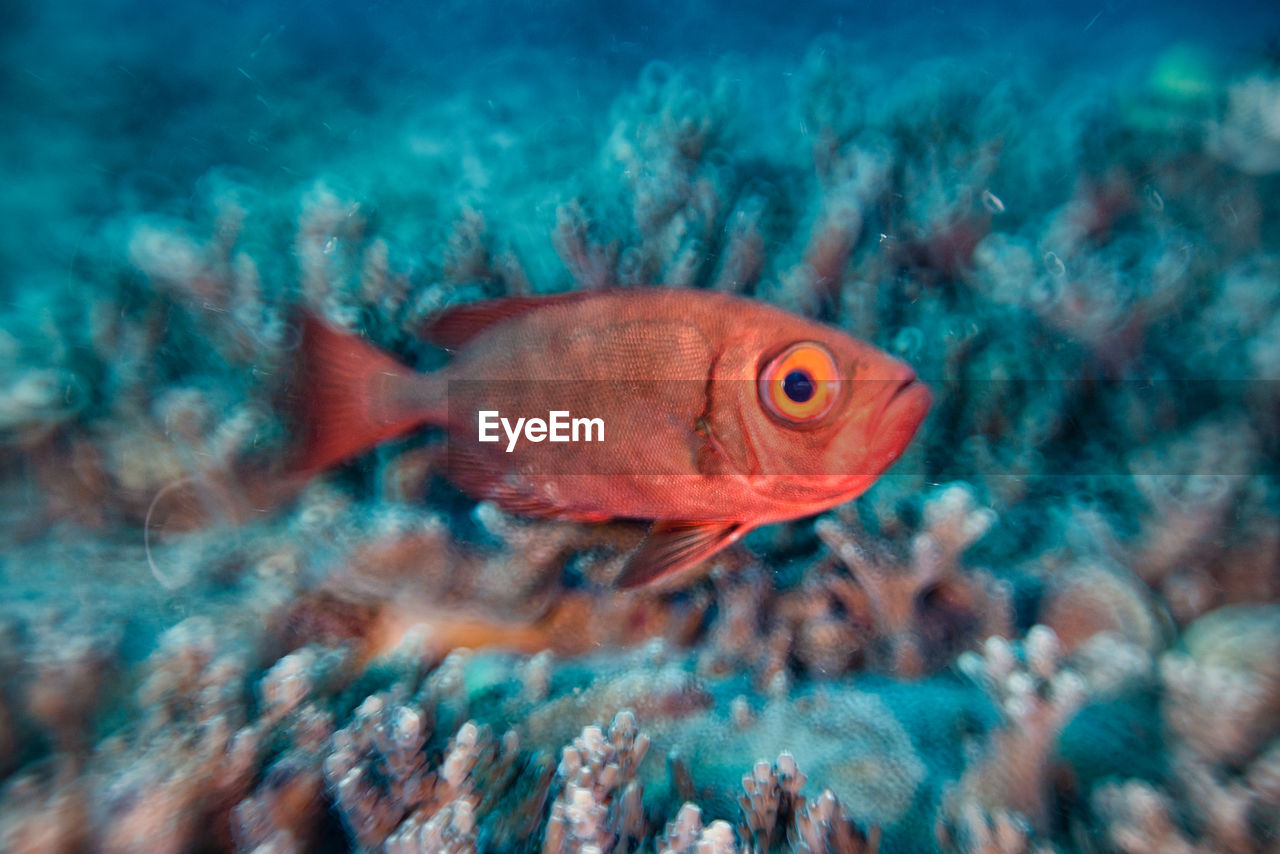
1053	626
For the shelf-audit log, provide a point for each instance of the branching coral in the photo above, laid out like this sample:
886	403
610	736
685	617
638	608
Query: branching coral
1036	695
686	835
599	799
378	770
283	811
771	797
382	781
919	607
450	830
38	815
1140	819
190	759
452	826
773	809
664	143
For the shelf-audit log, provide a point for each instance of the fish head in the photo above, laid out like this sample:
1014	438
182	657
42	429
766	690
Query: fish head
823	416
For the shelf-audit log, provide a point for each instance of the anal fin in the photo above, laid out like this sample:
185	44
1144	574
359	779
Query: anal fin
672	547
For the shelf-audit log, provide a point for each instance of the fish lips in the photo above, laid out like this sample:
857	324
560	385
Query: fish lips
904	409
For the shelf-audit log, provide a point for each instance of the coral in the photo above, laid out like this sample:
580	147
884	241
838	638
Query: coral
975	831
1112	664
732	641
598	803
450	827
284	809
1248	136
773	809
296	678
822	826
656	693
189	760
683	832
591	265
663	142
1037	696
686	835
1085	600
33	403
918	607
1190	488
70	670
771	797
859	177
1139	819
388	794
377	770
49	814
852	743
450	830
1223	690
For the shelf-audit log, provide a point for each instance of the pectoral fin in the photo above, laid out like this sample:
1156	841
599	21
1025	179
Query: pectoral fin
673	547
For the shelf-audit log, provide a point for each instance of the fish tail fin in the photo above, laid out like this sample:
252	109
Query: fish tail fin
350	396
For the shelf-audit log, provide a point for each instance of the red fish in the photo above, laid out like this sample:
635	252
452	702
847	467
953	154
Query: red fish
717	414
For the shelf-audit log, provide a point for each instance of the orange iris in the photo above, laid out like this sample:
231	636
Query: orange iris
801	385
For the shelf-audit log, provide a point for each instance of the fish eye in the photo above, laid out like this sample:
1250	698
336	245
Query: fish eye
800	385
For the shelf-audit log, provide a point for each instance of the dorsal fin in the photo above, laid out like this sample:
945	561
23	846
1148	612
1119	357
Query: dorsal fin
454	327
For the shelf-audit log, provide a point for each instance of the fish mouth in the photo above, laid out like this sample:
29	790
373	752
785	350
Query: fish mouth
910	398
901	415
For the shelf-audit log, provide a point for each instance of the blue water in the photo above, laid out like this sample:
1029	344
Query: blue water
1055	620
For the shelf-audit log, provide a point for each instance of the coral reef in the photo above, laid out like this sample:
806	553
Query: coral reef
1052	627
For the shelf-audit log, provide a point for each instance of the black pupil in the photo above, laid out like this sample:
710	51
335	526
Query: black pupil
798	386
